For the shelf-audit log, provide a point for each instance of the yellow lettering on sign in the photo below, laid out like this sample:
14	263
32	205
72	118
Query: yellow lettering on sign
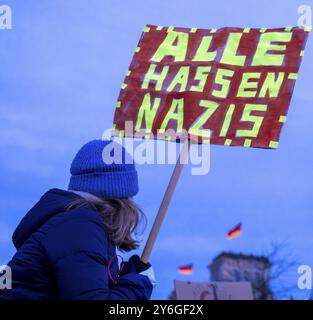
168	48
246	84
196	127
202	53
262	57
148	112
229	55
175	115
181	79
271	85
201	75
219	79
158	77
257	120
227	120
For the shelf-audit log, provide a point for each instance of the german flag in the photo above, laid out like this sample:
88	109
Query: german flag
236	231
187	269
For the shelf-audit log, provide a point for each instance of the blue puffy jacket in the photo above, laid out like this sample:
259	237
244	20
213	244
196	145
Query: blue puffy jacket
64	255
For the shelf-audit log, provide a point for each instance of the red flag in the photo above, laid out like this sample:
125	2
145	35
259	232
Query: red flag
187	269
236	231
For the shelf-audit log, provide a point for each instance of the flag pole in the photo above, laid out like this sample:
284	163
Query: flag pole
165	202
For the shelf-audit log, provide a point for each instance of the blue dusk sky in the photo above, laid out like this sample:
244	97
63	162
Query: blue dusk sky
62	66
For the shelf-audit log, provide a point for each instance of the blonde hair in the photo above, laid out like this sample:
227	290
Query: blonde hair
121	218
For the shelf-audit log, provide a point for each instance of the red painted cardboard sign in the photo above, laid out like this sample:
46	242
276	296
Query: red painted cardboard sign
230	86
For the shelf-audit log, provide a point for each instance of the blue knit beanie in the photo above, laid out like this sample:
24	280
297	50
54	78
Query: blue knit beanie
104	168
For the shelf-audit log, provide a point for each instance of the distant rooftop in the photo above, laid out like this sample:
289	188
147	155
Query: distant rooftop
241	256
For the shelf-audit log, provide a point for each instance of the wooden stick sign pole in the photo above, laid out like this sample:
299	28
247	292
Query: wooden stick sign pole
165	202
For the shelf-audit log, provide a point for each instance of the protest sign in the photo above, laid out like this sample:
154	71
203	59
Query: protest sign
230	86
186	290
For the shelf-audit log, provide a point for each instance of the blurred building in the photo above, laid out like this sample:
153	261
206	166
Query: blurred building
172	295
228	266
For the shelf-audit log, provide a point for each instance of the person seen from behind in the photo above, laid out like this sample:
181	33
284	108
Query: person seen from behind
66	244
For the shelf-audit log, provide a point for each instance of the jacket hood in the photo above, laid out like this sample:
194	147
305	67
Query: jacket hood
50	204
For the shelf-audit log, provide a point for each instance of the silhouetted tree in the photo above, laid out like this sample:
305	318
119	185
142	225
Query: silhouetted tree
282	261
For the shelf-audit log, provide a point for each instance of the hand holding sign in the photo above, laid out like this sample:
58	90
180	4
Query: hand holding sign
230	86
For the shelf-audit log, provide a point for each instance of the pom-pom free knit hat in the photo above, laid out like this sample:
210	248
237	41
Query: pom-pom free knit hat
104	168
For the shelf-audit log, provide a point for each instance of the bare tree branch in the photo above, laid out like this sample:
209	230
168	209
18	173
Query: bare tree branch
282	261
